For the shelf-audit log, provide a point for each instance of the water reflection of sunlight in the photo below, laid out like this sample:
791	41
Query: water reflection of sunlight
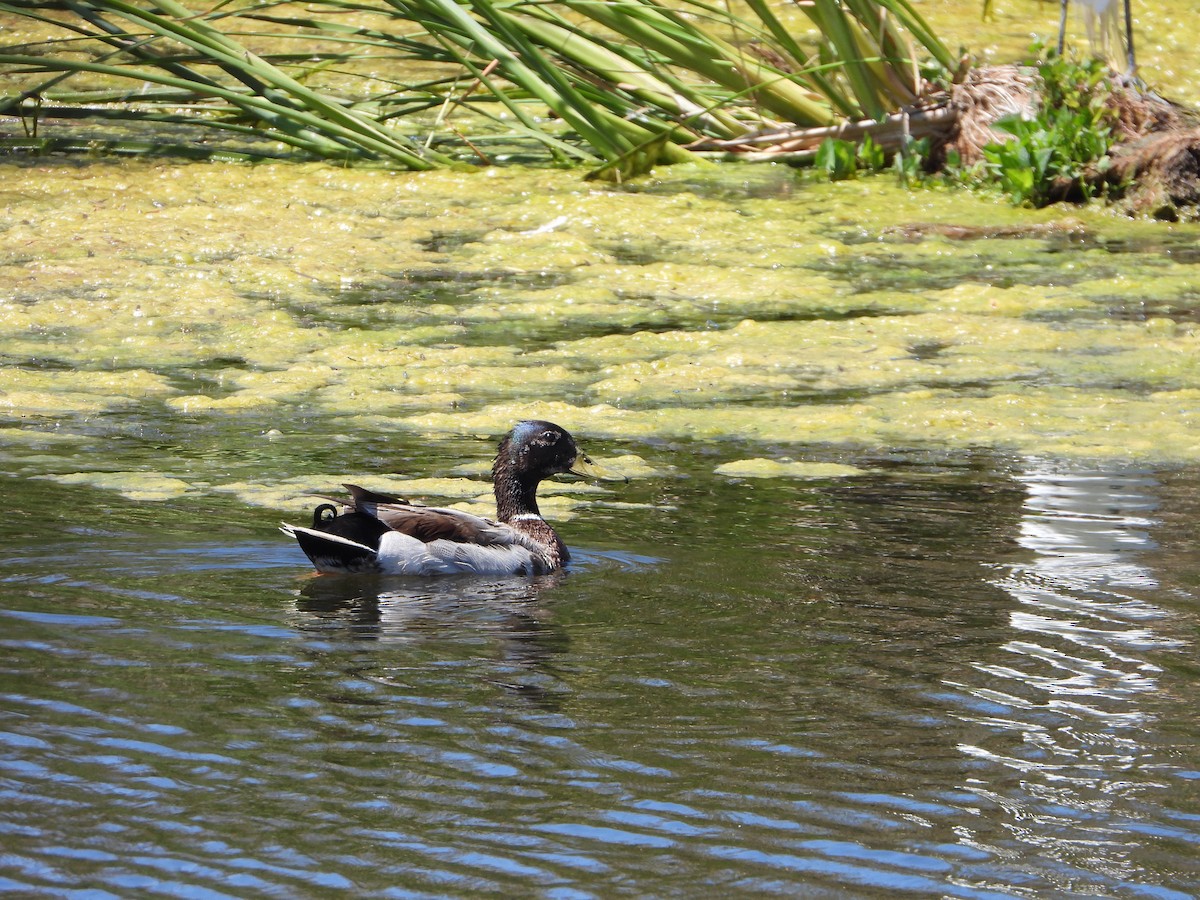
1064	707
1082	588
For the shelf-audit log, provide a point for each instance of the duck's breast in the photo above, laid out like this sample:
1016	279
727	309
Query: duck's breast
537	532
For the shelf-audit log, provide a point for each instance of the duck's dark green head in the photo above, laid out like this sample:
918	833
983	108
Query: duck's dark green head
534	450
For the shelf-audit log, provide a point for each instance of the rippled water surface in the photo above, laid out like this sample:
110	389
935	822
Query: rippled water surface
967	677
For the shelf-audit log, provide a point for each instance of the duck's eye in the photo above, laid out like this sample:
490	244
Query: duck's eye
549	436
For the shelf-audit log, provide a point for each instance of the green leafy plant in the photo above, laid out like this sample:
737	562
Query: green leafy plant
910	161
836	158
1061	151
841	159
870	155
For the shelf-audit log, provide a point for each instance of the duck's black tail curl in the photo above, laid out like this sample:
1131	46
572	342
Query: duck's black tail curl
340	543
333	553
323	515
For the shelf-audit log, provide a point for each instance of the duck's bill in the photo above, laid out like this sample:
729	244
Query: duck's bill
585	468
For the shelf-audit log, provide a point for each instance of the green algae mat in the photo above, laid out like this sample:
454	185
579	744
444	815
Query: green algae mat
255	311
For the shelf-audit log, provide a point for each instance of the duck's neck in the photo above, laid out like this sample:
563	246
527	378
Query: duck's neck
516	506
515	496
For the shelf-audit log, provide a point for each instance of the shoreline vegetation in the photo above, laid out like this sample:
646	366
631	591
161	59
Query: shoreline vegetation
615	87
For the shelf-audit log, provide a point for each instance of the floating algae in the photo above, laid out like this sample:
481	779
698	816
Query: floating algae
30	437
694	306
134	485
26	393
784	468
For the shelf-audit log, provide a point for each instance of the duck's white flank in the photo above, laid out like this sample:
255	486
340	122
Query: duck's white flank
402	554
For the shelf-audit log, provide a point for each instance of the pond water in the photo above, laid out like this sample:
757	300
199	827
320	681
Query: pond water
901	597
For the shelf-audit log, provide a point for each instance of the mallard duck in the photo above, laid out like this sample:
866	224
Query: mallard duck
381	533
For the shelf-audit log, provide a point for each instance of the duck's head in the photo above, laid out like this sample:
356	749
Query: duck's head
532	451
535	449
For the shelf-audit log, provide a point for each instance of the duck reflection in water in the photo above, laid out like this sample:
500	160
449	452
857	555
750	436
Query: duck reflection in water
412	611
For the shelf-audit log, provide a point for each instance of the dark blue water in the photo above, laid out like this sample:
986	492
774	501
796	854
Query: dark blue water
967	677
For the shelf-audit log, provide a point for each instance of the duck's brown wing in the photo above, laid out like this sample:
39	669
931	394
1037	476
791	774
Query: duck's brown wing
432	523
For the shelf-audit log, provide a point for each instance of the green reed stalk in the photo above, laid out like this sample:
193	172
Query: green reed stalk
688	45
629	82
296	114
625	77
